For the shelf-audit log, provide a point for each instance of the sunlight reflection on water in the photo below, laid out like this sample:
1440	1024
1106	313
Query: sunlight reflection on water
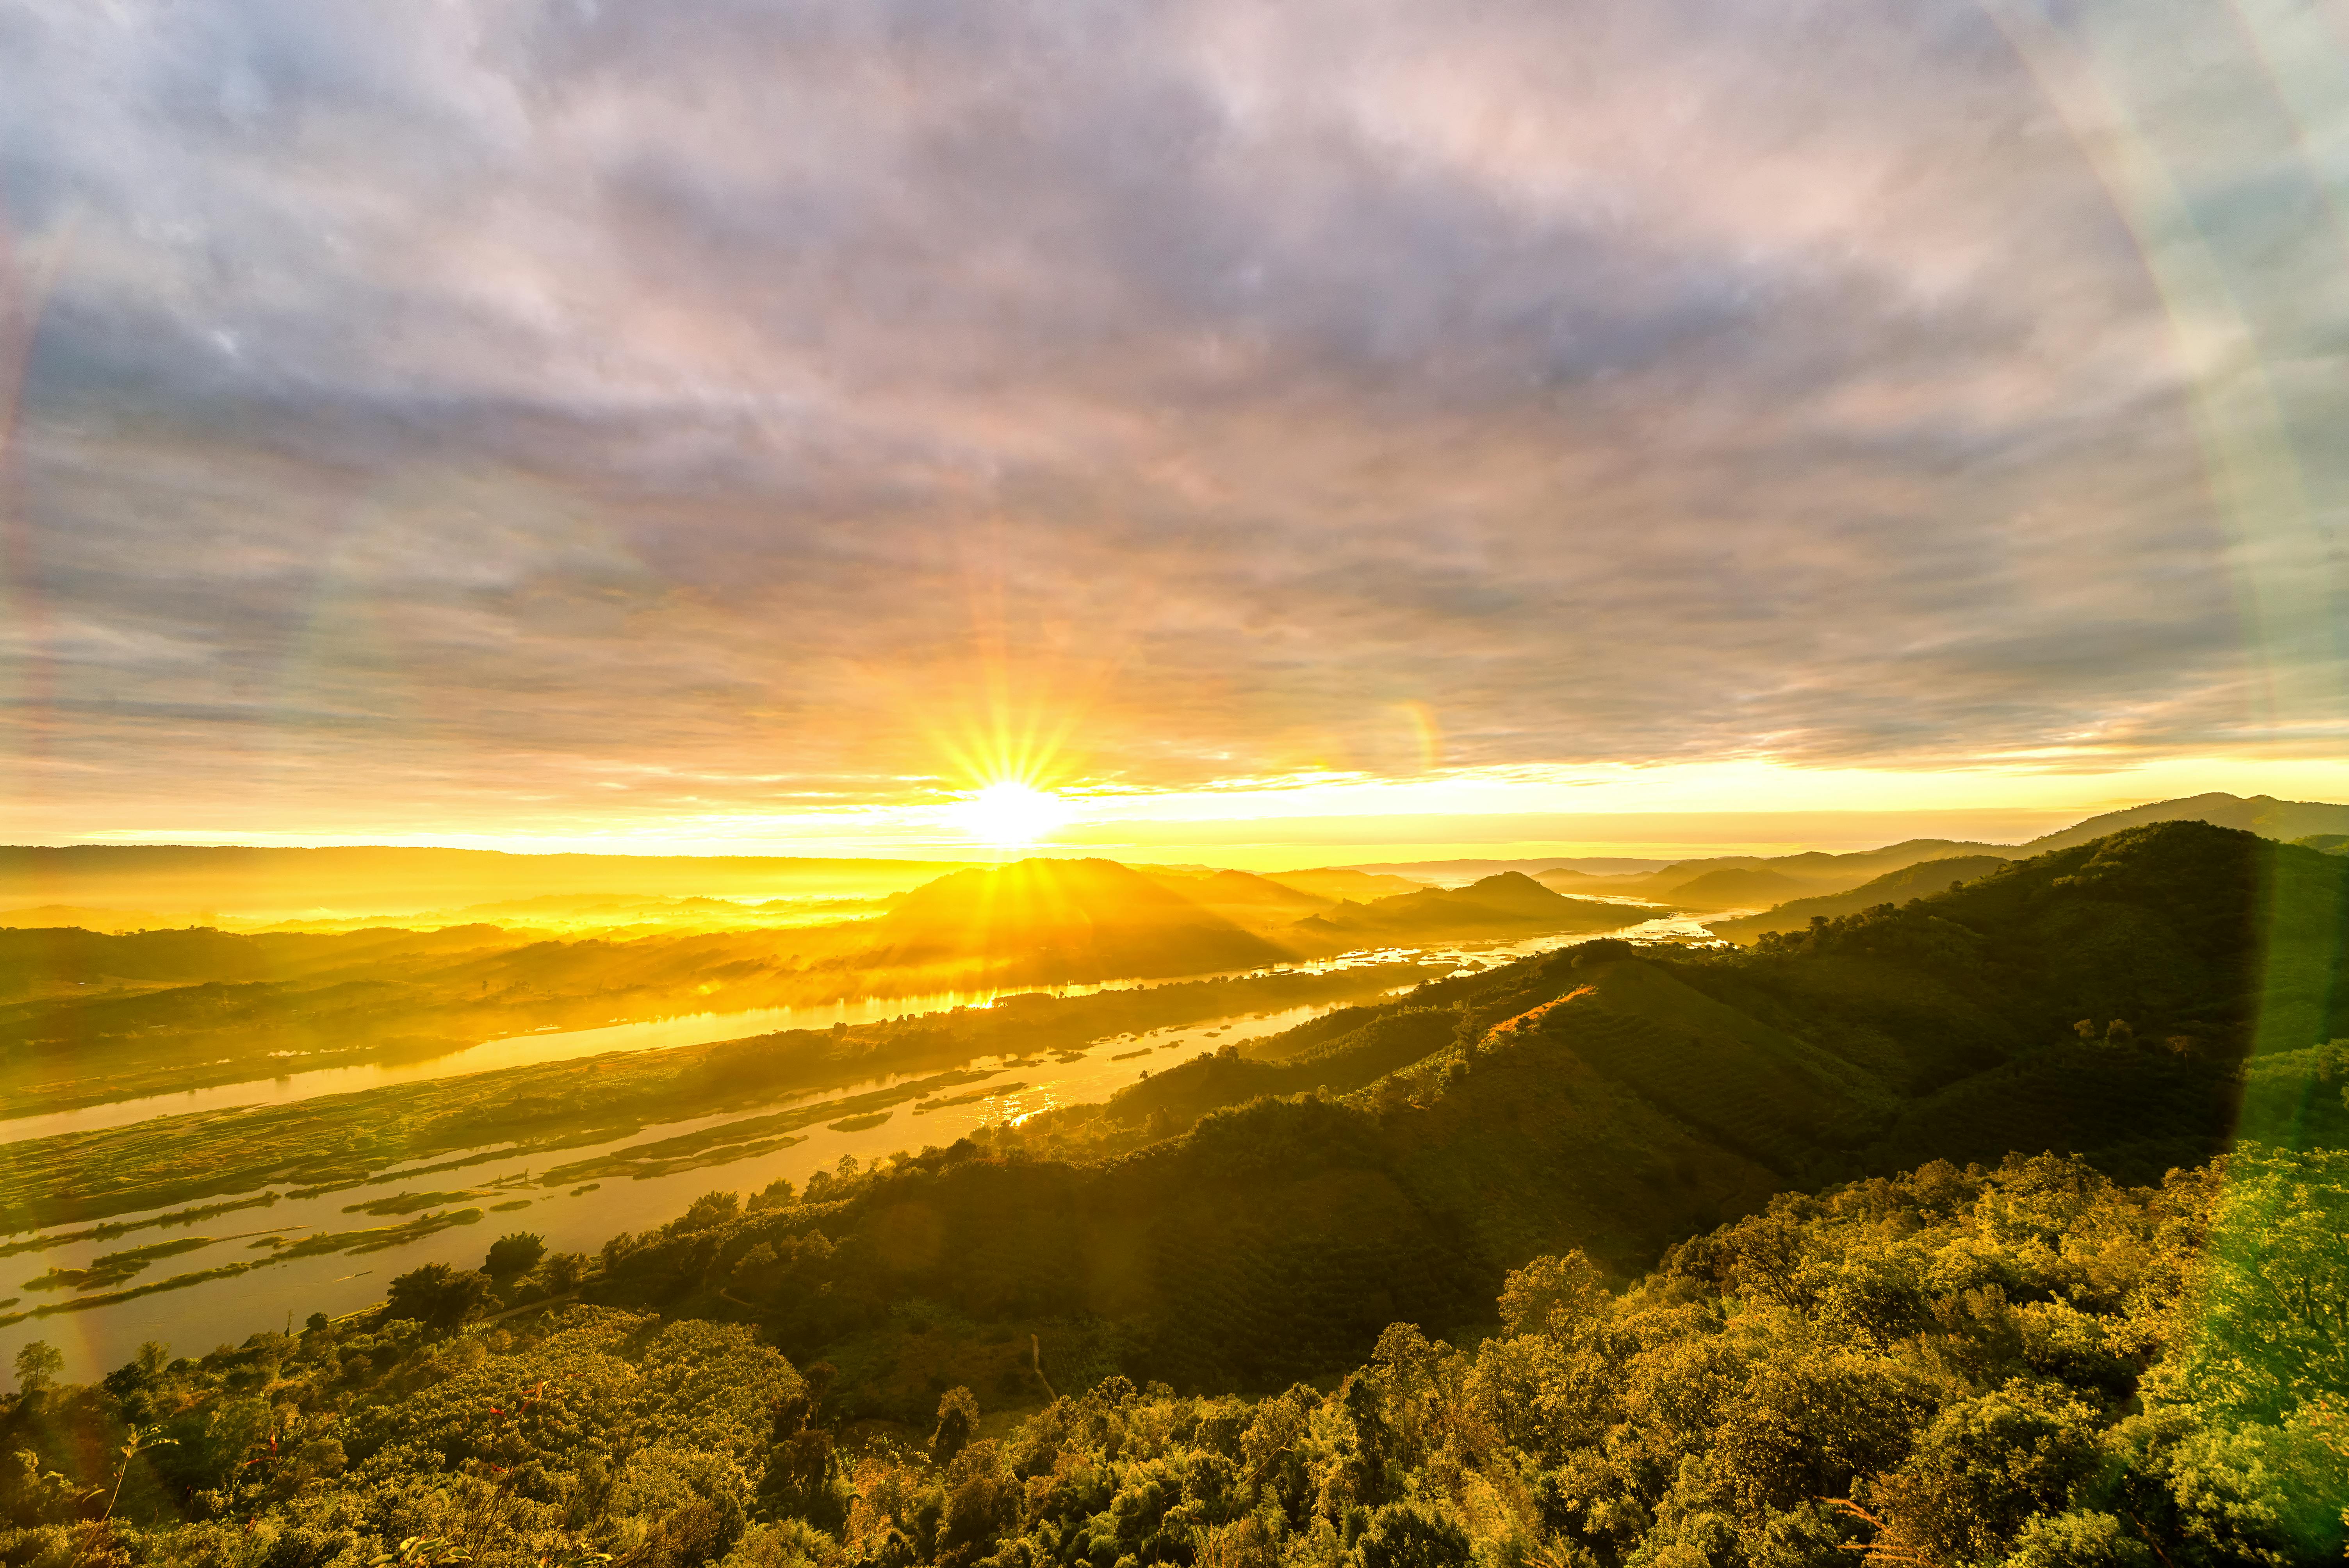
573	1219
653	1034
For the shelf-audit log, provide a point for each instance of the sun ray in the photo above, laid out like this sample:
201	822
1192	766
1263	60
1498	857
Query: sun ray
1010	813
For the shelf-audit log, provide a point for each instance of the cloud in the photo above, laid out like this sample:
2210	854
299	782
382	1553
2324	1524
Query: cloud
490	402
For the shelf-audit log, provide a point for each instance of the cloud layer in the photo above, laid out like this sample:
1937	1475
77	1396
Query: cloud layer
547	405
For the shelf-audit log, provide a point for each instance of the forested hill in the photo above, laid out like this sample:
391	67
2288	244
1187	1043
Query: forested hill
1247	1219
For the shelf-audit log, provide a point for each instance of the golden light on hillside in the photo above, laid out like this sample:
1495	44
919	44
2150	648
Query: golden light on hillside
1009	814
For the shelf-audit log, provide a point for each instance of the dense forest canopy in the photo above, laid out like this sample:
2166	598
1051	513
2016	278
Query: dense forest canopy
2028	1363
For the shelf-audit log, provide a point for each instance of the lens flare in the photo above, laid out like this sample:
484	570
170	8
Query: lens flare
1009	814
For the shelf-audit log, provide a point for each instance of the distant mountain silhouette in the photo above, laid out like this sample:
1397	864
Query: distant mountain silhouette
1510	903
1334	883
392	880
1818	873
2263	814
1812	873
1924	878
1736	887
1252	900
1063	920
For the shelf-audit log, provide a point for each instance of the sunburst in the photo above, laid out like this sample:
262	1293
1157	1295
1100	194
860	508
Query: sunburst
1010	814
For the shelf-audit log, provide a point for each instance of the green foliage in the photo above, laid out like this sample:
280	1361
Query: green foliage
958	1424
2267	1326
514	1254
2026	1364
437	1295
37	1364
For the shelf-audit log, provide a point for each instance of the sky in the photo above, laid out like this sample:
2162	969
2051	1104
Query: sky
1280	431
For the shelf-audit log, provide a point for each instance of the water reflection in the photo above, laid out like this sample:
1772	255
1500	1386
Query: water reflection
579	1217
192	1319
537	1048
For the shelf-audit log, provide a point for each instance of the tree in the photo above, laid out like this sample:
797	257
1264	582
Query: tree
1551	1295
514	1254
958	1424
712	1209
819	1378
436	1295
1406	1535
37	1366
2270	1329
133	1383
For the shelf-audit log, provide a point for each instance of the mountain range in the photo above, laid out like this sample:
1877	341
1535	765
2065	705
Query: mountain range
1732	883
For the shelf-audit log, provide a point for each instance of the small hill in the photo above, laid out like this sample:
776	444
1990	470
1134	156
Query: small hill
1458	873
1511	904
1735	887
1063	920
1241	889
1242	895
1893	887
1813	872
1335	884
1848	871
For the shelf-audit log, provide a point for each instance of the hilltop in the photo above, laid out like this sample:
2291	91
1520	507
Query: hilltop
1509	904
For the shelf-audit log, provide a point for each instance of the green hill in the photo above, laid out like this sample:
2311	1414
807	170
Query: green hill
1244	1220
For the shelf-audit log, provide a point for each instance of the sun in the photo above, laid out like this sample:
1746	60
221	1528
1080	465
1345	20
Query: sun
1010	814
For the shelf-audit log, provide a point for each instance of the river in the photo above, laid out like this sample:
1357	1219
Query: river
197	1318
